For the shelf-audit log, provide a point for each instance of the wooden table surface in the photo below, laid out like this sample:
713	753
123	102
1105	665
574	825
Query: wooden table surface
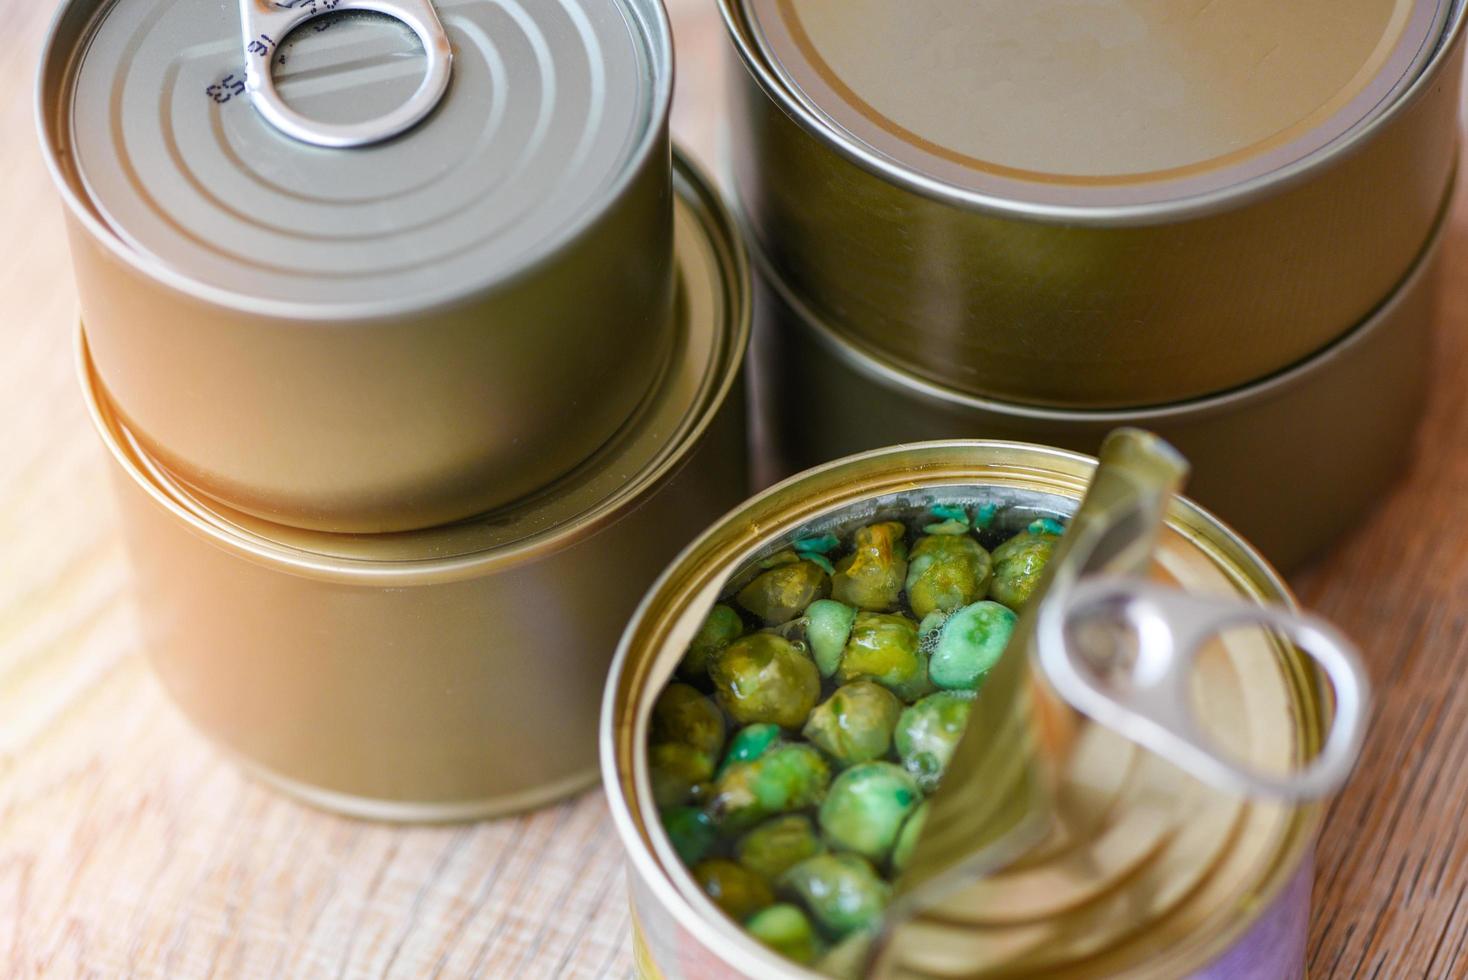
128	845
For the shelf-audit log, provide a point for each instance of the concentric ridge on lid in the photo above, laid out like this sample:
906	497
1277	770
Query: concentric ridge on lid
551	105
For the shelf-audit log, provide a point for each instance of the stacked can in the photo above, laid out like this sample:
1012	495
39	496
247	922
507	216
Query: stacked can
416	350
1215	220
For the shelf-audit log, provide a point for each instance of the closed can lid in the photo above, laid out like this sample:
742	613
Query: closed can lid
546	112
1116	103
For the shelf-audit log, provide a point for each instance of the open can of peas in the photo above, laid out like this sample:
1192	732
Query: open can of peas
786	701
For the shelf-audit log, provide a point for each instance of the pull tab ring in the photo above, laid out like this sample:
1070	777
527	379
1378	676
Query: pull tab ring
1153	706
267	22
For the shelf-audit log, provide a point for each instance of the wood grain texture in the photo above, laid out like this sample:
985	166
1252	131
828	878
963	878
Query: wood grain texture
127	846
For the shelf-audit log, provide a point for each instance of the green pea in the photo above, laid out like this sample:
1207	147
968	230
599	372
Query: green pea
907	837
946	572
828	626
780	594
765	678
820	544
951	519
884	648
842	892
1018	565
954	513
750	742
786	930
1046	525
970	643
683	715
735	889
927	733
855	723
778	844
690	830
786	778
871	576
865	807
679	773
719	629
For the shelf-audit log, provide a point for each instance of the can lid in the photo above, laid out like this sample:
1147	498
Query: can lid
549	107
710	332
1110	103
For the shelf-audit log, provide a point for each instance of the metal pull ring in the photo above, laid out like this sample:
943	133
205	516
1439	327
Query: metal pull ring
1151	704
267	22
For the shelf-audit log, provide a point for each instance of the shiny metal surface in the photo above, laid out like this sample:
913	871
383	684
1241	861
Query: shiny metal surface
1153	707
1290	461
1114	103
452	673
1092	305
1154	873
380	337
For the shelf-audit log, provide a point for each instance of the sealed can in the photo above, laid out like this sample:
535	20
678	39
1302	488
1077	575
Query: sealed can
325	292
1156	873
1107	206
1291	461
452	672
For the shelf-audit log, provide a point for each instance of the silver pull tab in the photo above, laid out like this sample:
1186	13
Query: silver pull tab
267	22
1149	702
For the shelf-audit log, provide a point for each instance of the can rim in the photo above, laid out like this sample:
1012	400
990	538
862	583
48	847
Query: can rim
56	72
876	368
742	952
1120	215
719	226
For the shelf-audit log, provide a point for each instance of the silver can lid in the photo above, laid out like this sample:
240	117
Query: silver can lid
1106	103
549	107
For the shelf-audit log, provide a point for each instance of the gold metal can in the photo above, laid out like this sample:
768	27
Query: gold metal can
1161	876
1128	205
1291	461
453	672
379	336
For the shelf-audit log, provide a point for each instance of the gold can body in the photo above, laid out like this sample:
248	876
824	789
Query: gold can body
407	677
1165	306
1238	907
1290	461
380	416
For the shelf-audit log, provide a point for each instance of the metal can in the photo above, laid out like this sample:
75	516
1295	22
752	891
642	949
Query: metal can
317	310
1161	875
1113	206
453	672
1291	461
